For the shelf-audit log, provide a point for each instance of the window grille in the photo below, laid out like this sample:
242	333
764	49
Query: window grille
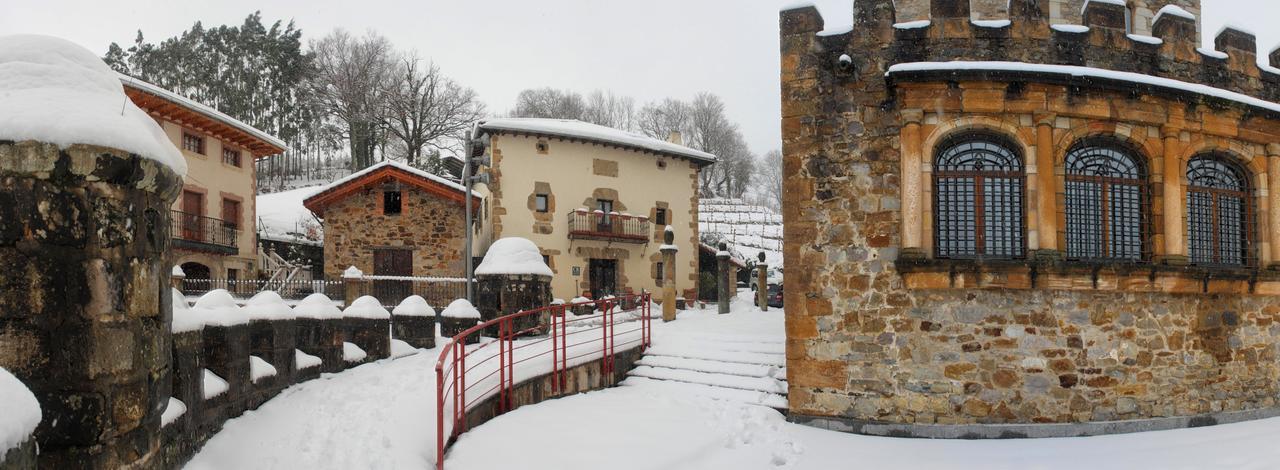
979	198
1105	204
1219	213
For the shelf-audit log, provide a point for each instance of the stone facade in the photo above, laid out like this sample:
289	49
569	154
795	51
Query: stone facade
880	331
83	235
431	226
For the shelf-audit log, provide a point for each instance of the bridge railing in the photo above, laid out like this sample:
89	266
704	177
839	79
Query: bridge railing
532	344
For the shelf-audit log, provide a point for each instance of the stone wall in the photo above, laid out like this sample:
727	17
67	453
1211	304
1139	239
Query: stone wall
83	233
432	227
881	332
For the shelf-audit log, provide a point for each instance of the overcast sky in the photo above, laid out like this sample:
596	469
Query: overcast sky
647	49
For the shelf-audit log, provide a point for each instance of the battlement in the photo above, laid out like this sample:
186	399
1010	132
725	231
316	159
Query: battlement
1034	32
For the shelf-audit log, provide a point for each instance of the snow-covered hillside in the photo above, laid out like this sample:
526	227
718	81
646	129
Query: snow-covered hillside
749	228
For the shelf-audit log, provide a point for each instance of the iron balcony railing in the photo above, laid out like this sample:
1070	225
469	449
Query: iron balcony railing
204	231
601	226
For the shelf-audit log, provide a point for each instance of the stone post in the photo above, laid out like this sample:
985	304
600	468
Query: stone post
762	283
722	278
669	275
352	279
84	298
176	278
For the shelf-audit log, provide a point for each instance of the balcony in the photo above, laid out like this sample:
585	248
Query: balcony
597	225
200	233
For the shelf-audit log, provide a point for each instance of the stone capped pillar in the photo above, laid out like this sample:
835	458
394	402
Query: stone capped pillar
723	289
669	250
762	284
512	278
84	297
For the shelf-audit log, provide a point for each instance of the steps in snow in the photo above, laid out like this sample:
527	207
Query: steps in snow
737	357
758	384
771	400
718	367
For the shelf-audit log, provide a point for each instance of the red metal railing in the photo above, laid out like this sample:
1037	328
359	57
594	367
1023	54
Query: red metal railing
602	226
465	374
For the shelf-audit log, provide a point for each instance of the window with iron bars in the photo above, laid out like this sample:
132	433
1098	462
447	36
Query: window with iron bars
1105	203
1219	212
979	198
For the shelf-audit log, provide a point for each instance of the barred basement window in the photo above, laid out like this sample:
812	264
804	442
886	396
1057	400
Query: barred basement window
1219	212
1105	204
978	188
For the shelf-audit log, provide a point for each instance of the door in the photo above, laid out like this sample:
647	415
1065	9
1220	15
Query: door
605	222
603	275
192	209
392	262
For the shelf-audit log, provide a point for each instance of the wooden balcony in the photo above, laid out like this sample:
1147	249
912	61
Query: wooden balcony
597	225
200	233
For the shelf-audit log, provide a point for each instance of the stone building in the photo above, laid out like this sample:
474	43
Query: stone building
214	219
393	220
1018	229
595	200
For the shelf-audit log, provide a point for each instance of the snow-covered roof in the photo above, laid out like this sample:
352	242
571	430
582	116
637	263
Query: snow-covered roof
310	200
21	412
282	217
1089	72
572	128
513	255
201	108
52	90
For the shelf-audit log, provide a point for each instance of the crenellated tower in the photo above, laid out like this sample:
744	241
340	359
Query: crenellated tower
1029	218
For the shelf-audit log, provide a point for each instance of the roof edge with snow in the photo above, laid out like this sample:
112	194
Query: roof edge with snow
573	129
200	108
317	202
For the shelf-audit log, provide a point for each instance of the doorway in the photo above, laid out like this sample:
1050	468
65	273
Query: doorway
603	276
392	262
192	210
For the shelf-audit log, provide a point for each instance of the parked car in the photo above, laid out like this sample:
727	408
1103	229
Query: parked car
773	297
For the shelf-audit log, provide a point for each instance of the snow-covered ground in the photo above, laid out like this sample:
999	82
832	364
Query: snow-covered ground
382	415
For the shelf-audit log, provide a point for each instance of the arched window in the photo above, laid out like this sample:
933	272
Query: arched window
1219	212
1105	203
978	182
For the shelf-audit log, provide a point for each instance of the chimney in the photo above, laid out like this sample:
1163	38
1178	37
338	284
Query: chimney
675	138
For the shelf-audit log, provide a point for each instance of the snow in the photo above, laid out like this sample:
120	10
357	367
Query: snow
352	272
992	23
580	300
213	385
668	247
401	349
366	307
1085	7
845	59
352	353
21	412
1070	28
260	369
218	308
397	165
1234	26
183	318
1146	39
1090	72
587	131
201	108
461	309
414	306
174	410
52	90
317	306
835	31
913	24
282	217
1213	53
303	360
177	271
513	255
268	305
1173	10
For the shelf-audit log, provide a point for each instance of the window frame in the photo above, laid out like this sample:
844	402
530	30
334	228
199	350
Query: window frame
1247	236
387	197
660	216
237	161
1016	180
188	137
542	203
1109	187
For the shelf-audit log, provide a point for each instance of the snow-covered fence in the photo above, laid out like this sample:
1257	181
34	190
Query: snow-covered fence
293	289
229	358
557	353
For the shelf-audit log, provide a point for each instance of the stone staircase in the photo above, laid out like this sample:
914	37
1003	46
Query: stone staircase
739	368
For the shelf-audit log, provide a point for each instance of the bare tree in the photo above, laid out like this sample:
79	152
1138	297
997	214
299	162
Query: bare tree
426	110
768	180
549	103
711	131
607	109
659	120
350	85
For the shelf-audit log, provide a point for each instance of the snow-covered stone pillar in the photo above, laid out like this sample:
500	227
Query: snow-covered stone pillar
762	284
352	285
669	275
722	278
86	183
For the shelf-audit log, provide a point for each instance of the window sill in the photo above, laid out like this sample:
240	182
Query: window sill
1050	273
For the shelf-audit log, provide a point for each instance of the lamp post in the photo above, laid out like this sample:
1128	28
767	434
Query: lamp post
476	148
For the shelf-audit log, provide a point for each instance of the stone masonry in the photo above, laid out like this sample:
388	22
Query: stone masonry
880	331
431	226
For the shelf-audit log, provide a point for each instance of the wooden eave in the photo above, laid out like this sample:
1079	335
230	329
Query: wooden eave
196	121
319	202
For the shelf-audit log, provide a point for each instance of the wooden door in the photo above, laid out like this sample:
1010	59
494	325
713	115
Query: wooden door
603	275
192	209
392	262
605	222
